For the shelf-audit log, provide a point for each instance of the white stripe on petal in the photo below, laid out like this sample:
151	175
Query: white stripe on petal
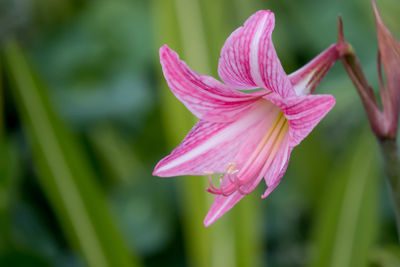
301	87
222	208
226	139
254	64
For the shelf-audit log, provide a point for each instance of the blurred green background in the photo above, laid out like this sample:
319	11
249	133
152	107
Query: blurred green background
85	114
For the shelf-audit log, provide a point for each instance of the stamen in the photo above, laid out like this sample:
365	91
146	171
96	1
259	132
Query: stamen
226	190
230	167
211	183
213	191
235	183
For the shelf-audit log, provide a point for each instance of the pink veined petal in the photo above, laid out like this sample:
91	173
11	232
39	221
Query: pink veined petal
204	96
248	58
303	113
269	163
274	175
220	206
211	146
223	204
306	79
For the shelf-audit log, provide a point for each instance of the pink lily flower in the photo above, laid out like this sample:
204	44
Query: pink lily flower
244	136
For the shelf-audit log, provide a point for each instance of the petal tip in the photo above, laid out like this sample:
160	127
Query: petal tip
210	219
266	194
213	215
265	12
376	12
164	50
155	172
332	101
207	223
158	170
269	190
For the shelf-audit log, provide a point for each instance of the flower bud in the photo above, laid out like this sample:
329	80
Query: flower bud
389	54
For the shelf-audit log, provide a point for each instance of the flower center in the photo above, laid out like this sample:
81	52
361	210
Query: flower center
246	177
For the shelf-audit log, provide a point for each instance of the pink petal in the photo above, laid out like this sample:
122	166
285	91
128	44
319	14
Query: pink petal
249	60
204	96
306	79
211	146
274	175
221	205
303	113
270	165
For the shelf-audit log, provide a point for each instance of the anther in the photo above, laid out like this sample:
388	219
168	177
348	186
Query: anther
230	167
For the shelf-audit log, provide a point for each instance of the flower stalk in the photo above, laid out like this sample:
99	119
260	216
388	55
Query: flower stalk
391	162
383	121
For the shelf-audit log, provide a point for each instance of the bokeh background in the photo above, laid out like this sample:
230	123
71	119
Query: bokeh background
85	115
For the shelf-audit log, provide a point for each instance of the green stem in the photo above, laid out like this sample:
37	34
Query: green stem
391	162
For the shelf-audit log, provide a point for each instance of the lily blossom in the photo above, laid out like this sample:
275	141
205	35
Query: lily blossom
245	137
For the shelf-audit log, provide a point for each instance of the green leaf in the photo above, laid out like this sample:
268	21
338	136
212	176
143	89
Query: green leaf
346	225
64	173
178	121
388	256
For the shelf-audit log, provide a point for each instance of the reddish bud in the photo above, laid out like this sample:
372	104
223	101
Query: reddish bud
356	74
389	54
383	123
